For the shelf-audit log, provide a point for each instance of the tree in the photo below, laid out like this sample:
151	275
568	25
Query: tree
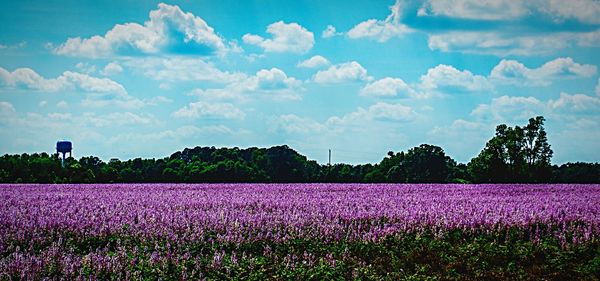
424	163
514	155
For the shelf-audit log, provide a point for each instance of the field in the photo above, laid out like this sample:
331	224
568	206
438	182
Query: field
300	231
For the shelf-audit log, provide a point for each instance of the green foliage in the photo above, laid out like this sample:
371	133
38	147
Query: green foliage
456	255
519	154
425	163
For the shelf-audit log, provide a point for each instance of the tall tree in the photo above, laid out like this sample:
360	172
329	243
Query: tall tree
515	155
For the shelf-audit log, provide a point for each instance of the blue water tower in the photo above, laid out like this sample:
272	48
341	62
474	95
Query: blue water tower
63	147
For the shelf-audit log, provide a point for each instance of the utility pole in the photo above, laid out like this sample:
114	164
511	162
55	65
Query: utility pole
329	157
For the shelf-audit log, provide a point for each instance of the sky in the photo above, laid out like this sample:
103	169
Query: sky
126	79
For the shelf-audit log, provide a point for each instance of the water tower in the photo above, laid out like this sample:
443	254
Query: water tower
63	147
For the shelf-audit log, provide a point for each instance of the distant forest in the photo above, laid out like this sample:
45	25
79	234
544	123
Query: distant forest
513	155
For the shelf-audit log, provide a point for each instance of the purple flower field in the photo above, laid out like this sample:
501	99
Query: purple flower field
58	224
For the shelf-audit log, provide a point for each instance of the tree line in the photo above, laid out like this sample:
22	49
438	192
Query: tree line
514	154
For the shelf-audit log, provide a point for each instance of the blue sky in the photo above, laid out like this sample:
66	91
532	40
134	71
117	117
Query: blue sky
132	79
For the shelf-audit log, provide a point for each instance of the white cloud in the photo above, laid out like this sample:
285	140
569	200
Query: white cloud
598	88
471	9
345	72
169	29
382	30
182	69
388	87
119	119
191	131
290	37
29	79
510	108
461	124
181	133
575	103
100	91
112	68
330	31
291	123
19	45
60	116
587	39
86	67
503	43
382	118
585	11
447	78
6	109
122	100
272	83
379	111
62	104
568	116
88	83
459	128
157	100
313	62
273	79
512	71
210	110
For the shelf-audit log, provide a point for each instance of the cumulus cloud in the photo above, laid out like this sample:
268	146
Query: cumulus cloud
272	83
291	123
505	42
445	77
510	108
182	69
88	83
470	9
380	111
169	29
62	104
6	110
566	107
313	62
496	43
209	110
157	100
382	30
85	67
185	135
388	87
585	11
19	45
119	119
112	68
330	31
99	91
345	72
286	37
362	118
575	103
27	78
512	71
